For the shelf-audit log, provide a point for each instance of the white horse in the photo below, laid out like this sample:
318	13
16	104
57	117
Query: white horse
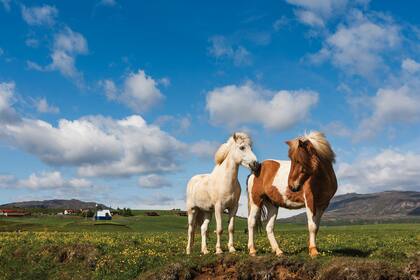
219	190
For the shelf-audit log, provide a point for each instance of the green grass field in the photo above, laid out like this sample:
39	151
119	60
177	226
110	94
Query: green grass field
50	247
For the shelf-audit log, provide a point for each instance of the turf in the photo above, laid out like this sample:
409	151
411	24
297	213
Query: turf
49	247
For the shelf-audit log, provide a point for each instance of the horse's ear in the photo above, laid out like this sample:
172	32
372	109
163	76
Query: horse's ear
235	137
304	144
301	143
289	143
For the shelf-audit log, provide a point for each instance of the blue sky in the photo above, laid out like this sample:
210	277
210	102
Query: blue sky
122	102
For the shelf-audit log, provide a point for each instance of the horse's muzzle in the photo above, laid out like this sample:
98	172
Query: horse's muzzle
255	166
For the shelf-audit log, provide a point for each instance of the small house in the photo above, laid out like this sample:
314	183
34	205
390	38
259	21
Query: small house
103	215
14	213
70	212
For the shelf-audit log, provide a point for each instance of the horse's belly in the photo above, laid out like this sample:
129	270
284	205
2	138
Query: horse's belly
294	202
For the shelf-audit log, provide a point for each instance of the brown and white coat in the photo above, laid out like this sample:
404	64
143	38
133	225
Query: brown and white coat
307	180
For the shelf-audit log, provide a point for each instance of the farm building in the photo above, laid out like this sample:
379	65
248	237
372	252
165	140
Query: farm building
14	213
70	212
103	215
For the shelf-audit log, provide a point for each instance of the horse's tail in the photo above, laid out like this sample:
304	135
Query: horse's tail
199	219
261	216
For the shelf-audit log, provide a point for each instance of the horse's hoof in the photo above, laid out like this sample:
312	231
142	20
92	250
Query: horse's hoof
188	251
219	251
279	253
204	252
252	253
313	252
232	250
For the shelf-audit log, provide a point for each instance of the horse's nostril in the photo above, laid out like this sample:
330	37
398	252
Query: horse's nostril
256	166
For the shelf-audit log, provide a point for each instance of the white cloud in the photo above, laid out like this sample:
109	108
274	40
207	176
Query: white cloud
237	105
68	44
389	105
358	47
7	113
165	81
139	92
7	180
42	106
95	145
52	180
387	170
177	125
280	23
41	15
110	89
6	4
32	42
337	128
222	48
204	149
35	66
98	146
108	3
309	18
44	180
153	181
410	65
316	13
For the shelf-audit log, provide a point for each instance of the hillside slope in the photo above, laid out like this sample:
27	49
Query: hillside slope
54	204
382	206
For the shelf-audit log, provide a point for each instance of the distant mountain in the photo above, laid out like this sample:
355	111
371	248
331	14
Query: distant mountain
54	204
386	206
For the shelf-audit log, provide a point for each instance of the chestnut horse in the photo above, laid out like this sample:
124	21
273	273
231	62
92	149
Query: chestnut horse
307	180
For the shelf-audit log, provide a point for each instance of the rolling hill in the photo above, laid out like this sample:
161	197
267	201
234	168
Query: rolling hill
388	206
54	204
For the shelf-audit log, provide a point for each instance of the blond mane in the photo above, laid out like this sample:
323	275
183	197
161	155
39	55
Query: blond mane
223	151
321	145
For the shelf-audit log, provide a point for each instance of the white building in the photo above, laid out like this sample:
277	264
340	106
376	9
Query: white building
103	215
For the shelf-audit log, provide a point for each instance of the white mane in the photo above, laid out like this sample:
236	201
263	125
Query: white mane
321	145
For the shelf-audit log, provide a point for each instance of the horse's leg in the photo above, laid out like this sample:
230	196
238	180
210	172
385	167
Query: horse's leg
204	226
313	226
272	211
252	219
219	230
232	214
192	213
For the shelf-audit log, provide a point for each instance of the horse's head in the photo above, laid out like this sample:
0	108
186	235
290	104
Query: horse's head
309	155
242	153
304	163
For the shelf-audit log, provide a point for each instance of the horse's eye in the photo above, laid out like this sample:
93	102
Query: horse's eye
242	148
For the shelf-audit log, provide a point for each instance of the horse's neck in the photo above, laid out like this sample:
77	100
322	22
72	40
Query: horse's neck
229	169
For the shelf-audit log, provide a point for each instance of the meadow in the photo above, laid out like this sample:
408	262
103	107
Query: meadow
142	247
